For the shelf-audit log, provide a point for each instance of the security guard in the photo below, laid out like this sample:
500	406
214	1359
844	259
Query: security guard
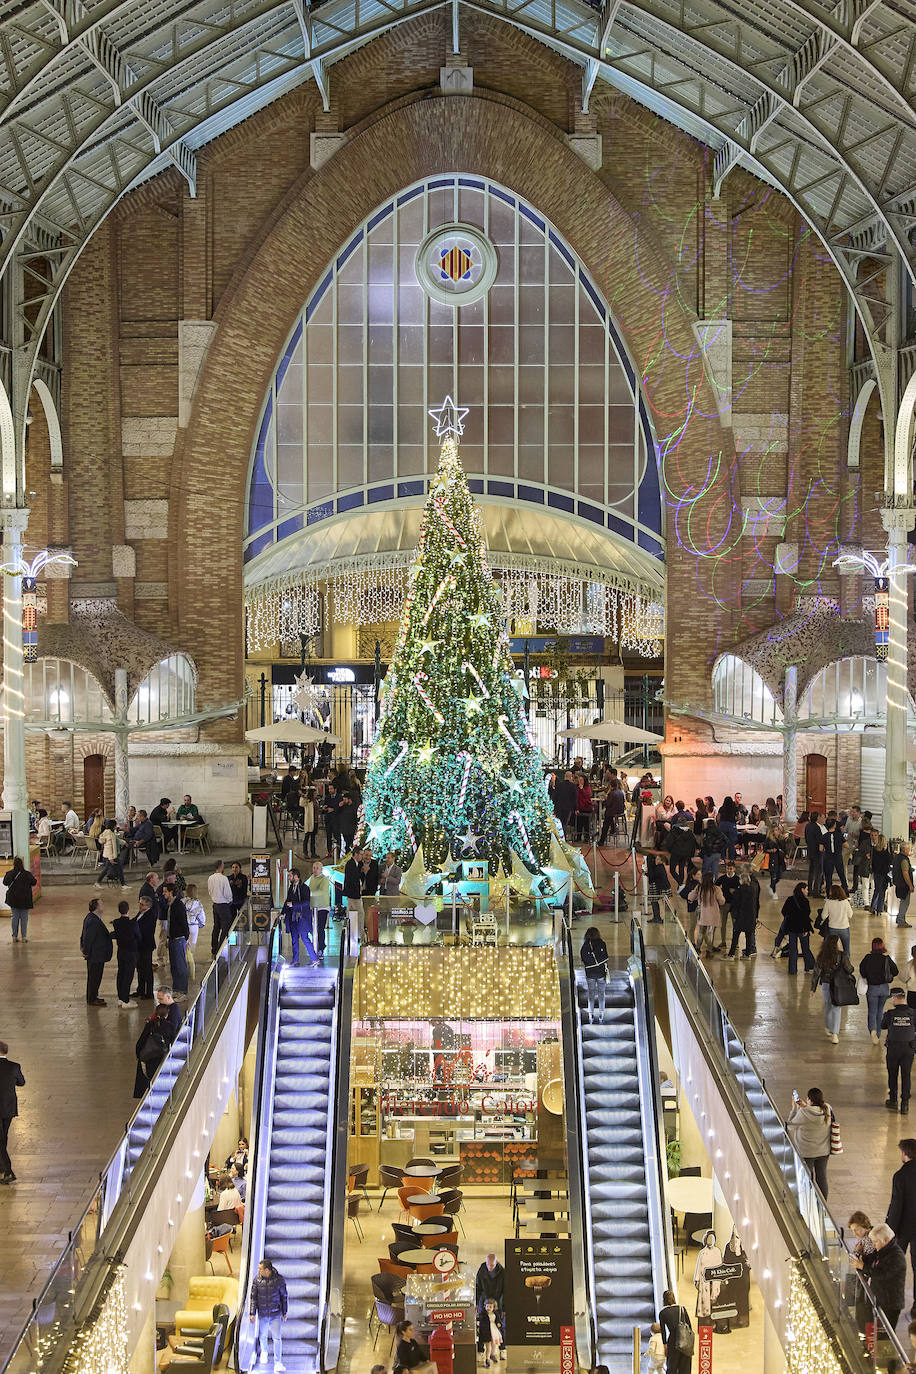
900	1023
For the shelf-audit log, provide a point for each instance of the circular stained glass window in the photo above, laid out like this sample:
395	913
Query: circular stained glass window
456	264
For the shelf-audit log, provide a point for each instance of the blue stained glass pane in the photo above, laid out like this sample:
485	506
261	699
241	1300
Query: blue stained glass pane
319	513
620	527
469	181
258	545
412	488
350	502
475	485
382	214
502	195
650	545
318	294
650	504
561	248
354	243
560	502
260	492
530	494
591	513
382	493
529	214
288	353
291	526
501	488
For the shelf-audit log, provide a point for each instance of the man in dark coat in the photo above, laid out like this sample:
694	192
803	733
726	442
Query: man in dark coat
96	947
178	932
901	1213
11	1078
886	1273
564	799
491	1281
815	843
146	918
127	936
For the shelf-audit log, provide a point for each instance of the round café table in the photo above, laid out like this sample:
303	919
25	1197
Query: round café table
690	1193
422	1176
431	1228
423	1205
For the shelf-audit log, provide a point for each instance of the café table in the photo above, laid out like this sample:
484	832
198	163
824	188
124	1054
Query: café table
690	1193
181	827
413	1258
422	1176
423	1205
431	1228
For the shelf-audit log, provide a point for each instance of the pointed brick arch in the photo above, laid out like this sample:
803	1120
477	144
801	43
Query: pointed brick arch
472	134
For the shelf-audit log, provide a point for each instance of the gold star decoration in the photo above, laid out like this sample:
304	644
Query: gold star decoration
425	753
472	704
479	620
428	646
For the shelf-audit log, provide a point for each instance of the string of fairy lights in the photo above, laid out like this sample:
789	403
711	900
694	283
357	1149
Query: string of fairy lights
281	610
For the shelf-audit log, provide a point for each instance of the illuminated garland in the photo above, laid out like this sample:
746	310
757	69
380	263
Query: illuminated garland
100	1346
808	1341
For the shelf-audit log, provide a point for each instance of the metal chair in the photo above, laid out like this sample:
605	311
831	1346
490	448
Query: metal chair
452	1208
388	1287
388	1317
358	1174
84	850
449	1177
353	1202
196	834
403	1232
420	1159
389	1178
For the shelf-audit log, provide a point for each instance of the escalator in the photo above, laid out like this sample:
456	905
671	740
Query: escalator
615	1161
297	1179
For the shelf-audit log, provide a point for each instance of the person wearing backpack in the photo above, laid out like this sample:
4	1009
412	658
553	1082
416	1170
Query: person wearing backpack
833	974
677	1333
877	968
96	947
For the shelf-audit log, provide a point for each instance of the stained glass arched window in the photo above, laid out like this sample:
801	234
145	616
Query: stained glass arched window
455	286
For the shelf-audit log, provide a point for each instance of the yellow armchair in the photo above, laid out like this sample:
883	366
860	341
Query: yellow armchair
203	1295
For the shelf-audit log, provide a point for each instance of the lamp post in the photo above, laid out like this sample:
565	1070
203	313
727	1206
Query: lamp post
17	569
888	573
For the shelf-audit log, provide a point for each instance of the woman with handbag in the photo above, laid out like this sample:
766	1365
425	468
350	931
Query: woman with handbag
837	913
677	1334
810	1128
833	974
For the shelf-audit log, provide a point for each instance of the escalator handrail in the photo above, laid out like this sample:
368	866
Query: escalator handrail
262	1112
335	1169
577	1153
651	1111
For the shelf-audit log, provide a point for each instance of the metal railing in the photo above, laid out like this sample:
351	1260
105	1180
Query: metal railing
159	1108
849	1310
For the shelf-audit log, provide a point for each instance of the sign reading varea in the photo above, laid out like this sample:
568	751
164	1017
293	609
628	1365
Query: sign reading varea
538	1300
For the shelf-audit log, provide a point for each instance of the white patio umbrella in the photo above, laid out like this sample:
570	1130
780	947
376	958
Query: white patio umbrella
290	731
614	731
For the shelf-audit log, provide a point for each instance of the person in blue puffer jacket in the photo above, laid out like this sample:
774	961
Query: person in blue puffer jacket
267	1308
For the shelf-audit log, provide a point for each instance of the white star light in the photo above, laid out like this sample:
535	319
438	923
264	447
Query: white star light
513	784
448	418
468	840
305	695
472	704
428	646
425	754
378	832
478	621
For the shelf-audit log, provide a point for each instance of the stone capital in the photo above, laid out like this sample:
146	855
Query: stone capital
15	519
898	520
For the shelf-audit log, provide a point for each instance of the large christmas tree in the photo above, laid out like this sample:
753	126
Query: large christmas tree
453	767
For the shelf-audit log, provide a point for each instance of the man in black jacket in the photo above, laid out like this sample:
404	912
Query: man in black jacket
147	916
178	939
96	947
353	891
815	844
901	1213
564	800
491	1281
127	936
10	1079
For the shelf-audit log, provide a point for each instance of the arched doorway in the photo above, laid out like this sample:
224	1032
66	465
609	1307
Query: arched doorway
816	783
93	782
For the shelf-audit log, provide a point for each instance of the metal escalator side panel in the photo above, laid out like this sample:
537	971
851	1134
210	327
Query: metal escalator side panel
259	1158
580	1222
653	1122
336	1175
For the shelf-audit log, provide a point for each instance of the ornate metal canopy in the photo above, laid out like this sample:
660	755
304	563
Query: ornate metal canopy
813	96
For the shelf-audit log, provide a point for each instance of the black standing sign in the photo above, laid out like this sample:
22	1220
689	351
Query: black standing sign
538	1298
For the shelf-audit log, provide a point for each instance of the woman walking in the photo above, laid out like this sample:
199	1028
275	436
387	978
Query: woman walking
881	861
19	882
594	961
709	914
837	915
809	1128
877	968
796	924
831	961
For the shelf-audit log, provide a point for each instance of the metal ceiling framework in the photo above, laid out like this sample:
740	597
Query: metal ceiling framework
815	98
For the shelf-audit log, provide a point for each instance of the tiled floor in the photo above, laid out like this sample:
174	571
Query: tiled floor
79	1066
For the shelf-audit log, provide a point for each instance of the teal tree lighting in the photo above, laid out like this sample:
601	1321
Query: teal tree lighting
453	766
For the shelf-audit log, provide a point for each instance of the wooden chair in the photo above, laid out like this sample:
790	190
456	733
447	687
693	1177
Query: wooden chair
390	1266
353	1202
357	1175
389	1178
220	1246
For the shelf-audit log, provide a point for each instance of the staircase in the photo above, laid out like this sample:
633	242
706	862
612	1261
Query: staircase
303	1099
615	1163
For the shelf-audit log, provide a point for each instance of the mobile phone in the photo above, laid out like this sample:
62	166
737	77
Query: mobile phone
795	1096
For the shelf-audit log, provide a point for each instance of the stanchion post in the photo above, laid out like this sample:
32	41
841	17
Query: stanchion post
645	895
616	894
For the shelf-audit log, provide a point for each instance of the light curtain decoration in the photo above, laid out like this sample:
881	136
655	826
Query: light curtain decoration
370	591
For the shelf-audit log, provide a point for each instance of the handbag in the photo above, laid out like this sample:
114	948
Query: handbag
760	861
684	1337
836	1144
843	988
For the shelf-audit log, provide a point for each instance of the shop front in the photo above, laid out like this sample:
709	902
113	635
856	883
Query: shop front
457	1131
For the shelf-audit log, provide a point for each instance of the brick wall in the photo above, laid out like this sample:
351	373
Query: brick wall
246	252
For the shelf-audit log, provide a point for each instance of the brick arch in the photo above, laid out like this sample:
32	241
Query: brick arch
471	134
